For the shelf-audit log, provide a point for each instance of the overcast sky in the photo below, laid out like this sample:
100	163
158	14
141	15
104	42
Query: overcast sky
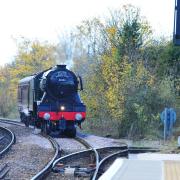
45	19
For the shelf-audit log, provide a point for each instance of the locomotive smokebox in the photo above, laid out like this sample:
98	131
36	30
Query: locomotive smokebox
60	82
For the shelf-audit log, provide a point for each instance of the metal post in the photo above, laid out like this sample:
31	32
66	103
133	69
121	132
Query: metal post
165	124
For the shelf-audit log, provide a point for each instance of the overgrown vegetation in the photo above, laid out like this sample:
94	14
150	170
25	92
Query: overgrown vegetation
129	77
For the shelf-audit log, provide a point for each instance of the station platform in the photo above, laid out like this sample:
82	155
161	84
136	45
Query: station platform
161	168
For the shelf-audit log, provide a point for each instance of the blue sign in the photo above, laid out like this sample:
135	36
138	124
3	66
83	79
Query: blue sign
176	34
168	117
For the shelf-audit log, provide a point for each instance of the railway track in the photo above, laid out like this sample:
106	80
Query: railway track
47	169
92	163
87	164
4	169
41	174
90	155
7	139
11	122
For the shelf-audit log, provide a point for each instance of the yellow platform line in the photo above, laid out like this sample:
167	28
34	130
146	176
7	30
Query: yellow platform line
172	170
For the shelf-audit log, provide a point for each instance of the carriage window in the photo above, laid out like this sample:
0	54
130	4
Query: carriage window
19	94
24	94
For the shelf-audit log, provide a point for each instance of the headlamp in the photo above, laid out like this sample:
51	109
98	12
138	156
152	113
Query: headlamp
62	108
46	116
78	117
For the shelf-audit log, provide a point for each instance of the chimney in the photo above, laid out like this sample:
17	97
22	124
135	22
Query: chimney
59	66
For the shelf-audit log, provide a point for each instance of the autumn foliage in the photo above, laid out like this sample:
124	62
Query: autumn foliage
129	77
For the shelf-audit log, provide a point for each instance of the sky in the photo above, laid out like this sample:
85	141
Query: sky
46	19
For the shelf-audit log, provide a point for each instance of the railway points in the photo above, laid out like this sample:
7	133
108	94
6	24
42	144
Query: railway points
94	163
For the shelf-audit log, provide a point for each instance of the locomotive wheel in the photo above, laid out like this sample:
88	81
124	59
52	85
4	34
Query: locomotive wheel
38	125
26	122
46	127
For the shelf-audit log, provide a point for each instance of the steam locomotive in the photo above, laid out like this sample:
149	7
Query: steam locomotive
49	100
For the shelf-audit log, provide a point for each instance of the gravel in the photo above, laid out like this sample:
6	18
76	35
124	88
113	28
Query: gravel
28	155
69	145
98	142
32	152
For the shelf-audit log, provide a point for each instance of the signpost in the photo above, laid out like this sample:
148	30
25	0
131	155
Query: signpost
168	117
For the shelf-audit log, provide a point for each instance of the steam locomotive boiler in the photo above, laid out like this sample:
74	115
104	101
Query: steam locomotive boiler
49	100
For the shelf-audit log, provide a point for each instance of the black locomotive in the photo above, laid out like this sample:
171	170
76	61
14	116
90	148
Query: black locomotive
49	100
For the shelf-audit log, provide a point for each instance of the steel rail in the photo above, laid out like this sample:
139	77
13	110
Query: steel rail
11	121
123	149
106	151
3	171
121	153
71	155
89	146
82	153
47	168
136	150
12	139
87	151
84	142
41	174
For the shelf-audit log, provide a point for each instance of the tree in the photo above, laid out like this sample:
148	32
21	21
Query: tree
123	88
32	57
6	93
127	31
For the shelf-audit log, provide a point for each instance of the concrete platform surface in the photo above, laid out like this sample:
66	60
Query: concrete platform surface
133	169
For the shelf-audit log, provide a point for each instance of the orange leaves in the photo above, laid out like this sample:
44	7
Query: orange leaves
111	31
